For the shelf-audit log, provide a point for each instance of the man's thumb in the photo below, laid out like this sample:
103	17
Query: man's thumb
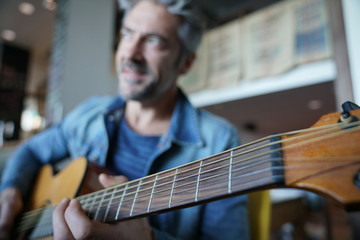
111	180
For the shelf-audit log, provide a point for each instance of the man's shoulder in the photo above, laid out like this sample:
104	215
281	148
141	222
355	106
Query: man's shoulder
204	117
215	126
215	121
217	131
91	108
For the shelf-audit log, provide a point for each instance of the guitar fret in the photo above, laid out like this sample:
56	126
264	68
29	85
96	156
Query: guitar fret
152	193
92	204
84	202
230	170
121	201
198	183
173	187
99	205
136	194
109	204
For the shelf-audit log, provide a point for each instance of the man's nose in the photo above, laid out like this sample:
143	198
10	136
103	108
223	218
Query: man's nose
134	50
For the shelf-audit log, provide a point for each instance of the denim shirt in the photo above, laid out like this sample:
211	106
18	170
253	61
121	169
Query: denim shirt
193	134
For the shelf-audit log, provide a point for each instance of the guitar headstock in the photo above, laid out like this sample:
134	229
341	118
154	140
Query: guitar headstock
326	158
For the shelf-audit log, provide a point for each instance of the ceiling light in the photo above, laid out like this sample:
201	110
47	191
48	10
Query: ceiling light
26	8
8	35
49	4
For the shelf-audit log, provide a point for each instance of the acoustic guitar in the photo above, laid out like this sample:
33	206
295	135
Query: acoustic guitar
324	158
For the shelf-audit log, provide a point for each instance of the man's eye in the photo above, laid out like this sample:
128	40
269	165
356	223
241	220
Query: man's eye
154	41
125	35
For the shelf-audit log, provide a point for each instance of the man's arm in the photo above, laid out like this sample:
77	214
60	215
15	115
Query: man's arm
22	167
10	205
20	171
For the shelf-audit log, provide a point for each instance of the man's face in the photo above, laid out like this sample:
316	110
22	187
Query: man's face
148	52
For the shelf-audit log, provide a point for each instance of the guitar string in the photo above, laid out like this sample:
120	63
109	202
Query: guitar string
271	177
261	177
224	180
296	131
227	165
242	146
223	159
135	186
89	195
48	222
260	140
249	182
192	187
211	163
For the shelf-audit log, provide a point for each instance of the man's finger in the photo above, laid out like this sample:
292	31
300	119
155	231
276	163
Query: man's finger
111	180
10	205
60	227
79	224
6	221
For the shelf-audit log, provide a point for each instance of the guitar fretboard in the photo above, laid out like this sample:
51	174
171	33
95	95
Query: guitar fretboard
228	173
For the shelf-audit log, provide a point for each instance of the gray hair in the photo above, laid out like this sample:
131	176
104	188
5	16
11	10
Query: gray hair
191	30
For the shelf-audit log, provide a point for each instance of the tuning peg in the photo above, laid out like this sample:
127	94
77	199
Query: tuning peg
348	106
345	115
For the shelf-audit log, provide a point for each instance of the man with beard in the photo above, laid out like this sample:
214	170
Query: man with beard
149	127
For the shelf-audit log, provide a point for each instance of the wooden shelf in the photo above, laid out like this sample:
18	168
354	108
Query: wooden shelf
300	76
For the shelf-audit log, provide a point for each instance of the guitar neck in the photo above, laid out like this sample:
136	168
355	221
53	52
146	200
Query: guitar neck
229	173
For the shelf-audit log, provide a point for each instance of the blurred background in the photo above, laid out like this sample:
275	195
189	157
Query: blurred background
266	65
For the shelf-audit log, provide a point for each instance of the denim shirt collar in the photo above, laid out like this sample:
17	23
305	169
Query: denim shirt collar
117	104
184	127
183	130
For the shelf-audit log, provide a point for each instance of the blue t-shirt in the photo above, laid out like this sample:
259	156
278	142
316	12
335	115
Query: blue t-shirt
131	151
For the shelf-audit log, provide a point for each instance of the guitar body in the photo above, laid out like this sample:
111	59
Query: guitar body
50	189
78	178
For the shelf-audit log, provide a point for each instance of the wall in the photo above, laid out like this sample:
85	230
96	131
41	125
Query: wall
88	58
351	10
88	52
38	70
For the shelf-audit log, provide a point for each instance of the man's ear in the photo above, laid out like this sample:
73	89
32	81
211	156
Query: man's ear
187	63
